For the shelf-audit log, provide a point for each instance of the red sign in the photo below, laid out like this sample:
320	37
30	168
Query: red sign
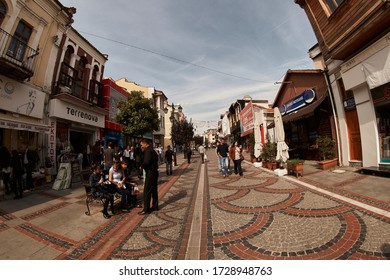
247	123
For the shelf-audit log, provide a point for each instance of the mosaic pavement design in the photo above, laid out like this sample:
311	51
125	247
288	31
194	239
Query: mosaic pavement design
261	216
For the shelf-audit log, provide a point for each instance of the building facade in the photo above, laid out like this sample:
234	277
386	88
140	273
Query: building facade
29	34
354	38
76	106
306	110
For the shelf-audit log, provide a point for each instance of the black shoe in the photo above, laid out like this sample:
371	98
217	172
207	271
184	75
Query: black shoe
144	212
106	215
154	209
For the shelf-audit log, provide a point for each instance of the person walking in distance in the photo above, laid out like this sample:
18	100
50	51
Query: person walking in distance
16	174
201	151
150	165
219	161
223	156
29	163
138	160
108	156
169	158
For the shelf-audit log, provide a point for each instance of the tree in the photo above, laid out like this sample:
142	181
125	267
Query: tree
137	115
182	132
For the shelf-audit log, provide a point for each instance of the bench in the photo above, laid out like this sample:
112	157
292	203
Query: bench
91	197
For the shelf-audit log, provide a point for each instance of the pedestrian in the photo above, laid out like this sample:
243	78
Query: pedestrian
216	151
223	156
5	166
108	156
131	164
174	154
201	151
235	154
126	154
150	165
188	152
130	185
16	174
138	155
29	163
96	155
169	159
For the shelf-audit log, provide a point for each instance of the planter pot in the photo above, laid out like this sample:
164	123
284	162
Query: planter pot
295	169
327	164
272	165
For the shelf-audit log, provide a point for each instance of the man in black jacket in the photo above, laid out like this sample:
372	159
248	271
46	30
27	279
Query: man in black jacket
150	165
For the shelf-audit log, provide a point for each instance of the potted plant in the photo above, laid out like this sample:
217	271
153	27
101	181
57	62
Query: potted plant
268	154
327	152
295	166
251	143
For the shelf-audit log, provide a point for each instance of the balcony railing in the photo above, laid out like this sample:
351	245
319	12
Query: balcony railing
16	57
68	84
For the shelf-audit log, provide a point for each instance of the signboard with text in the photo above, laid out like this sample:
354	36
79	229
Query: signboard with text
247	123
21	98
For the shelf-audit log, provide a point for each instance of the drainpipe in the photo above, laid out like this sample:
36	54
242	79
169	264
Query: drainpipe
336	122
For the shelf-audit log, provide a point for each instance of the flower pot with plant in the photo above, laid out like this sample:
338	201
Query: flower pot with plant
268	154
251	143
327	152
295	166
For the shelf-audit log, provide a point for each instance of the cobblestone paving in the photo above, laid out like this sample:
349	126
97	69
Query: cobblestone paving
261	216
256	216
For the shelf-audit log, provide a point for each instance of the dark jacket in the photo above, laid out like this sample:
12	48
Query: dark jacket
150	162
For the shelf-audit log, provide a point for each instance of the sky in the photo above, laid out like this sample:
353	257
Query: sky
203	54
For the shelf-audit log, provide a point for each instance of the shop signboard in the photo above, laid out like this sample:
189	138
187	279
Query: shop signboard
247	123
349	104
302	100
67	111
21	98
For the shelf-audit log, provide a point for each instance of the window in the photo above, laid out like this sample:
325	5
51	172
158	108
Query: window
3	12
331	5
19	41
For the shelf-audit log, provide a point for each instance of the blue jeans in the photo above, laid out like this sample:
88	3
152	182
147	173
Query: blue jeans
223	163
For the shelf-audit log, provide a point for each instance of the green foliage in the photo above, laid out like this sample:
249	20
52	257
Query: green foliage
269	150
295	161
137	115
182	132
326	147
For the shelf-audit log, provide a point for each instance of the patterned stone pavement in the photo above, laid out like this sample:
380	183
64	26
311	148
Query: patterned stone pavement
257	216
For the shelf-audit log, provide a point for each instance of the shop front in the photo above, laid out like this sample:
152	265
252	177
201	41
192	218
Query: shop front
22	118
306	111
367	77
73	131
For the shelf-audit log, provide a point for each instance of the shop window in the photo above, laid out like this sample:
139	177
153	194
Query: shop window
330	5
3	12
18	44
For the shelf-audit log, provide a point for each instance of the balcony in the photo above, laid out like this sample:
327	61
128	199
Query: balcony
70	88
16	58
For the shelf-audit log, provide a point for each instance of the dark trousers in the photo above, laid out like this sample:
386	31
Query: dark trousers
7	182
29	180
138	167
17	184
150	190
237	167
125	196
109	199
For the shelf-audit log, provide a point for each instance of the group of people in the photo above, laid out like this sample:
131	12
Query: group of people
225	154
119	181
13	166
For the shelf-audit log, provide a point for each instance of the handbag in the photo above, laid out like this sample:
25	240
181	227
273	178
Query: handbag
242	157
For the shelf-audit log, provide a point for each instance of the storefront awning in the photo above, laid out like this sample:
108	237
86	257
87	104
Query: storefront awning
14	123
304	112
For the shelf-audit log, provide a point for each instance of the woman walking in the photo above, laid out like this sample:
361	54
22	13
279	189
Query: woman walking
235	154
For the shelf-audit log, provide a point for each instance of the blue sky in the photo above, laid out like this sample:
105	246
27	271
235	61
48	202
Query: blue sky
204	54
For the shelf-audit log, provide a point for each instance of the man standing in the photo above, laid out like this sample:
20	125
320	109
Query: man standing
108	156
201	152
150	165
29	163
169	158
223	157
